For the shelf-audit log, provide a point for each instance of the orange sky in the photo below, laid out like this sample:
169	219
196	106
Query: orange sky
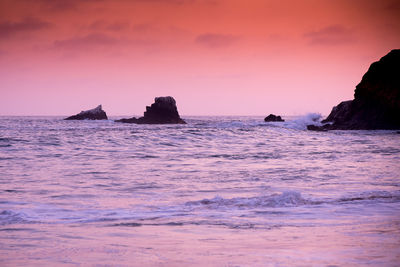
216	57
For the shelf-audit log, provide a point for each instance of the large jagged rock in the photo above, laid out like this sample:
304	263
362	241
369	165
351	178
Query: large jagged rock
162	111
93	114
272	117
376	103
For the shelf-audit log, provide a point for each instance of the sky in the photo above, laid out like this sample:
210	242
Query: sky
215	57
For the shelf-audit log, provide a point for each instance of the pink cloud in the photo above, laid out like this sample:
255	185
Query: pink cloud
95	39
61	5
143	27
331	35
29	24
213	40
100	25
98	40
176	2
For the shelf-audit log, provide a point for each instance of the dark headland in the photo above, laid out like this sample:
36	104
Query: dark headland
376	103
162	111
92	114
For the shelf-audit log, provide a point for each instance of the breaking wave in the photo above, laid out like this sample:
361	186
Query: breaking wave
382	196
285	199
292	199
9	217
302	122
163	214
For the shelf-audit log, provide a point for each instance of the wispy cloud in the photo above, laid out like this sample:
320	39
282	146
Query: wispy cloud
72	5
29	24
100	25
331	35
177	2
99	40
91	40
214	40
144	28
61	5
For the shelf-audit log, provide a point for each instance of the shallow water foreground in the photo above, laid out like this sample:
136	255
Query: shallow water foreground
219	191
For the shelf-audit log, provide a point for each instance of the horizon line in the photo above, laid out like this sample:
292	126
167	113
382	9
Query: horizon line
209	115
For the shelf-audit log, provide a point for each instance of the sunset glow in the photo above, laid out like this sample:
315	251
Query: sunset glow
216	57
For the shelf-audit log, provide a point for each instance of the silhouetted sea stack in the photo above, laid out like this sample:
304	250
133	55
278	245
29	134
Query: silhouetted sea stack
93	114
272	117
162	111
376	103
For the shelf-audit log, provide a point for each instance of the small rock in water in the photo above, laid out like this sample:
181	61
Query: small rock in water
162	111
316	128
92	114
272	117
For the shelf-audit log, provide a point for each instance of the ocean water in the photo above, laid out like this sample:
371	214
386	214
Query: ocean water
219	191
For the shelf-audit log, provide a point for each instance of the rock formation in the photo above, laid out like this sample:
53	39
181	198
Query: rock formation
92	114
162	111
272	117
376	103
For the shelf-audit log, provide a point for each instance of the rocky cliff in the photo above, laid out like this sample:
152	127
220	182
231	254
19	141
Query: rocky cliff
376	103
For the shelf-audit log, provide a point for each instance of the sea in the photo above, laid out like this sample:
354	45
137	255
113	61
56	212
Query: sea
218	191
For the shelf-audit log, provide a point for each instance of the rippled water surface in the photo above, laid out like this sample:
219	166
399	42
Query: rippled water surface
219	191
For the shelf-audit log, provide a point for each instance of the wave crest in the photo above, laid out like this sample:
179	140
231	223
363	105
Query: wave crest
10	217
302	122
285	199
291	199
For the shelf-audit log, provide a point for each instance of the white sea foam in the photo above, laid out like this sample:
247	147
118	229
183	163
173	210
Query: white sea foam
301	123
246	123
